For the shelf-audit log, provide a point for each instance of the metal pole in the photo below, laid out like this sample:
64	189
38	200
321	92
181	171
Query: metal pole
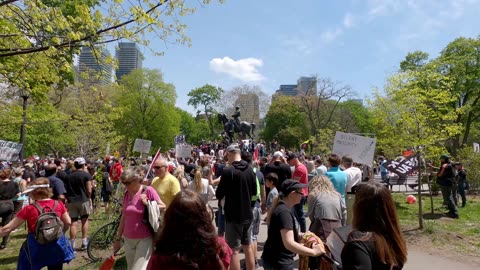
22	128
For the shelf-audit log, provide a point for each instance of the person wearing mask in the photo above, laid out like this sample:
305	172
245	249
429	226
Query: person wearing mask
138	238
376	241
283	232
189	243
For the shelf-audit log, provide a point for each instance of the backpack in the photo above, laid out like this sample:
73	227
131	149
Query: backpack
49	227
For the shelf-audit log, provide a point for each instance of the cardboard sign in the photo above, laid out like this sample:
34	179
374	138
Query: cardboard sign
142	146
9	151
402	166
360	148
183	150
180	139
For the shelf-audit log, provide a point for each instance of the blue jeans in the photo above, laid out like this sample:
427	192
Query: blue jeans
300	215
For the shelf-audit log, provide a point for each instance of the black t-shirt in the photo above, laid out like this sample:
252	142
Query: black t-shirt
8	190
76	186
362	255
281	169
58	187
274	252
61	174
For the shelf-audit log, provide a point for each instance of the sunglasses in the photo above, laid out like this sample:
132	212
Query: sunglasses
159	167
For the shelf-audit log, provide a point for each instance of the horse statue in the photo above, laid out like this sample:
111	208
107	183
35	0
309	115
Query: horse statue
245	128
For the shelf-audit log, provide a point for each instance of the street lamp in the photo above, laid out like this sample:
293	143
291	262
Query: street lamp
24	96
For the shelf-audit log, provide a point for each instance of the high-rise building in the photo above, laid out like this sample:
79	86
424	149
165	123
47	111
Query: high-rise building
307	86
287	90
129	58
249	107
94	66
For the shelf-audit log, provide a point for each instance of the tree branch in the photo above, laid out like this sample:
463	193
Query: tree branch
6	2
20	51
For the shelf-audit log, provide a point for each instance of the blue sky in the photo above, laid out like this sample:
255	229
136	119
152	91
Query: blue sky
273	42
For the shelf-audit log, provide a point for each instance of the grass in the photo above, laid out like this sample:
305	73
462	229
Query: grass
458	238
9	256
441	234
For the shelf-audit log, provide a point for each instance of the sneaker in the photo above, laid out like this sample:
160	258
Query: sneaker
83	247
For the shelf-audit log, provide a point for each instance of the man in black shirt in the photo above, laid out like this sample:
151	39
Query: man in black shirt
278	166
237	186
56	184
79	190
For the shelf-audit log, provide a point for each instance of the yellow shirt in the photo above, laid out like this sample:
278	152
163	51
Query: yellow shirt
166	188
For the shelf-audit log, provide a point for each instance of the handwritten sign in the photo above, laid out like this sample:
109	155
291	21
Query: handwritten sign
402	166
9	151
142	146
183	150
360	148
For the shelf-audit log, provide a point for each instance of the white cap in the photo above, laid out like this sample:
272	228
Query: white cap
277	154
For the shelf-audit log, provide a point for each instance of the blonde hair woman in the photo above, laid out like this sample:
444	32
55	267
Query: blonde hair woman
32	254
179	173
201	186
325	207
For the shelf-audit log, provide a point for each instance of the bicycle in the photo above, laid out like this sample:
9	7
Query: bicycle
100	245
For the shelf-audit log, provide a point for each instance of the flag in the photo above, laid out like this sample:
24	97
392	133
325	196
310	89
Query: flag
157	155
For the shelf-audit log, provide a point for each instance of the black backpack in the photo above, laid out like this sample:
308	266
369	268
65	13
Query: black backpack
49	227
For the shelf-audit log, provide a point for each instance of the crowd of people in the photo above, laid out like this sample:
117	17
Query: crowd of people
338	194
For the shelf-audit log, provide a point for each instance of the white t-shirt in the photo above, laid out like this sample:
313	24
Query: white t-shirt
354	176
207	191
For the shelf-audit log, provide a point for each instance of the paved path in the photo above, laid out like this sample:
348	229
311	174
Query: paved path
417	259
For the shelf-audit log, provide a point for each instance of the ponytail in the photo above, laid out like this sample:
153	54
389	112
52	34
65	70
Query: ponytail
198	181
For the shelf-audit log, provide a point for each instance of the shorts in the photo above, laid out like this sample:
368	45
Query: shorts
257	215
78	210
237	235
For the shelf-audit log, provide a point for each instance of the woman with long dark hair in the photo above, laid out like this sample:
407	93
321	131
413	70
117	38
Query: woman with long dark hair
188	239
376	241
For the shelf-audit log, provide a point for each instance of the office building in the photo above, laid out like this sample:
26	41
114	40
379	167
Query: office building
129	58
307	86
287	90
95	66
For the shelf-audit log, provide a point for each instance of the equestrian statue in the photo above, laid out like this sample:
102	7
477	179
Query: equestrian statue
234	125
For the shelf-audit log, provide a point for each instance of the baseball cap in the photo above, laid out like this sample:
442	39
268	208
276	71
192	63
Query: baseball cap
233	148
291	156
278	154
80	161
290	185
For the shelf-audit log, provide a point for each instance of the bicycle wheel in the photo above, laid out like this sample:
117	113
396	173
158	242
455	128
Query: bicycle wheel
101	243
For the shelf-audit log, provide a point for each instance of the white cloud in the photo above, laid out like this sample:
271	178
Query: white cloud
331	35
243	69
348	20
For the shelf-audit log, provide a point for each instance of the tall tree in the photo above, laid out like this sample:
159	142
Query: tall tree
415	112
414	61
205	97
147	106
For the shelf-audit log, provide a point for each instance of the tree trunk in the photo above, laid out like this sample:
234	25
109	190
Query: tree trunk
22	128
420	210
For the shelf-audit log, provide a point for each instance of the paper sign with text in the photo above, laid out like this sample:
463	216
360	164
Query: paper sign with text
9	151
360	148
183	151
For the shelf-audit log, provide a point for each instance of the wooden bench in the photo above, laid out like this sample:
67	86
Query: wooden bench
409	181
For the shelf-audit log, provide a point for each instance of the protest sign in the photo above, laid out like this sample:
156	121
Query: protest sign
476	147
142	146
180	139
183	150
360	148
402	166
9	151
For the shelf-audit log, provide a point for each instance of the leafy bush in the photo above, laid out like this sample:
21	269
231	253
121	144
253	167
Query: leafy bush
471	162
